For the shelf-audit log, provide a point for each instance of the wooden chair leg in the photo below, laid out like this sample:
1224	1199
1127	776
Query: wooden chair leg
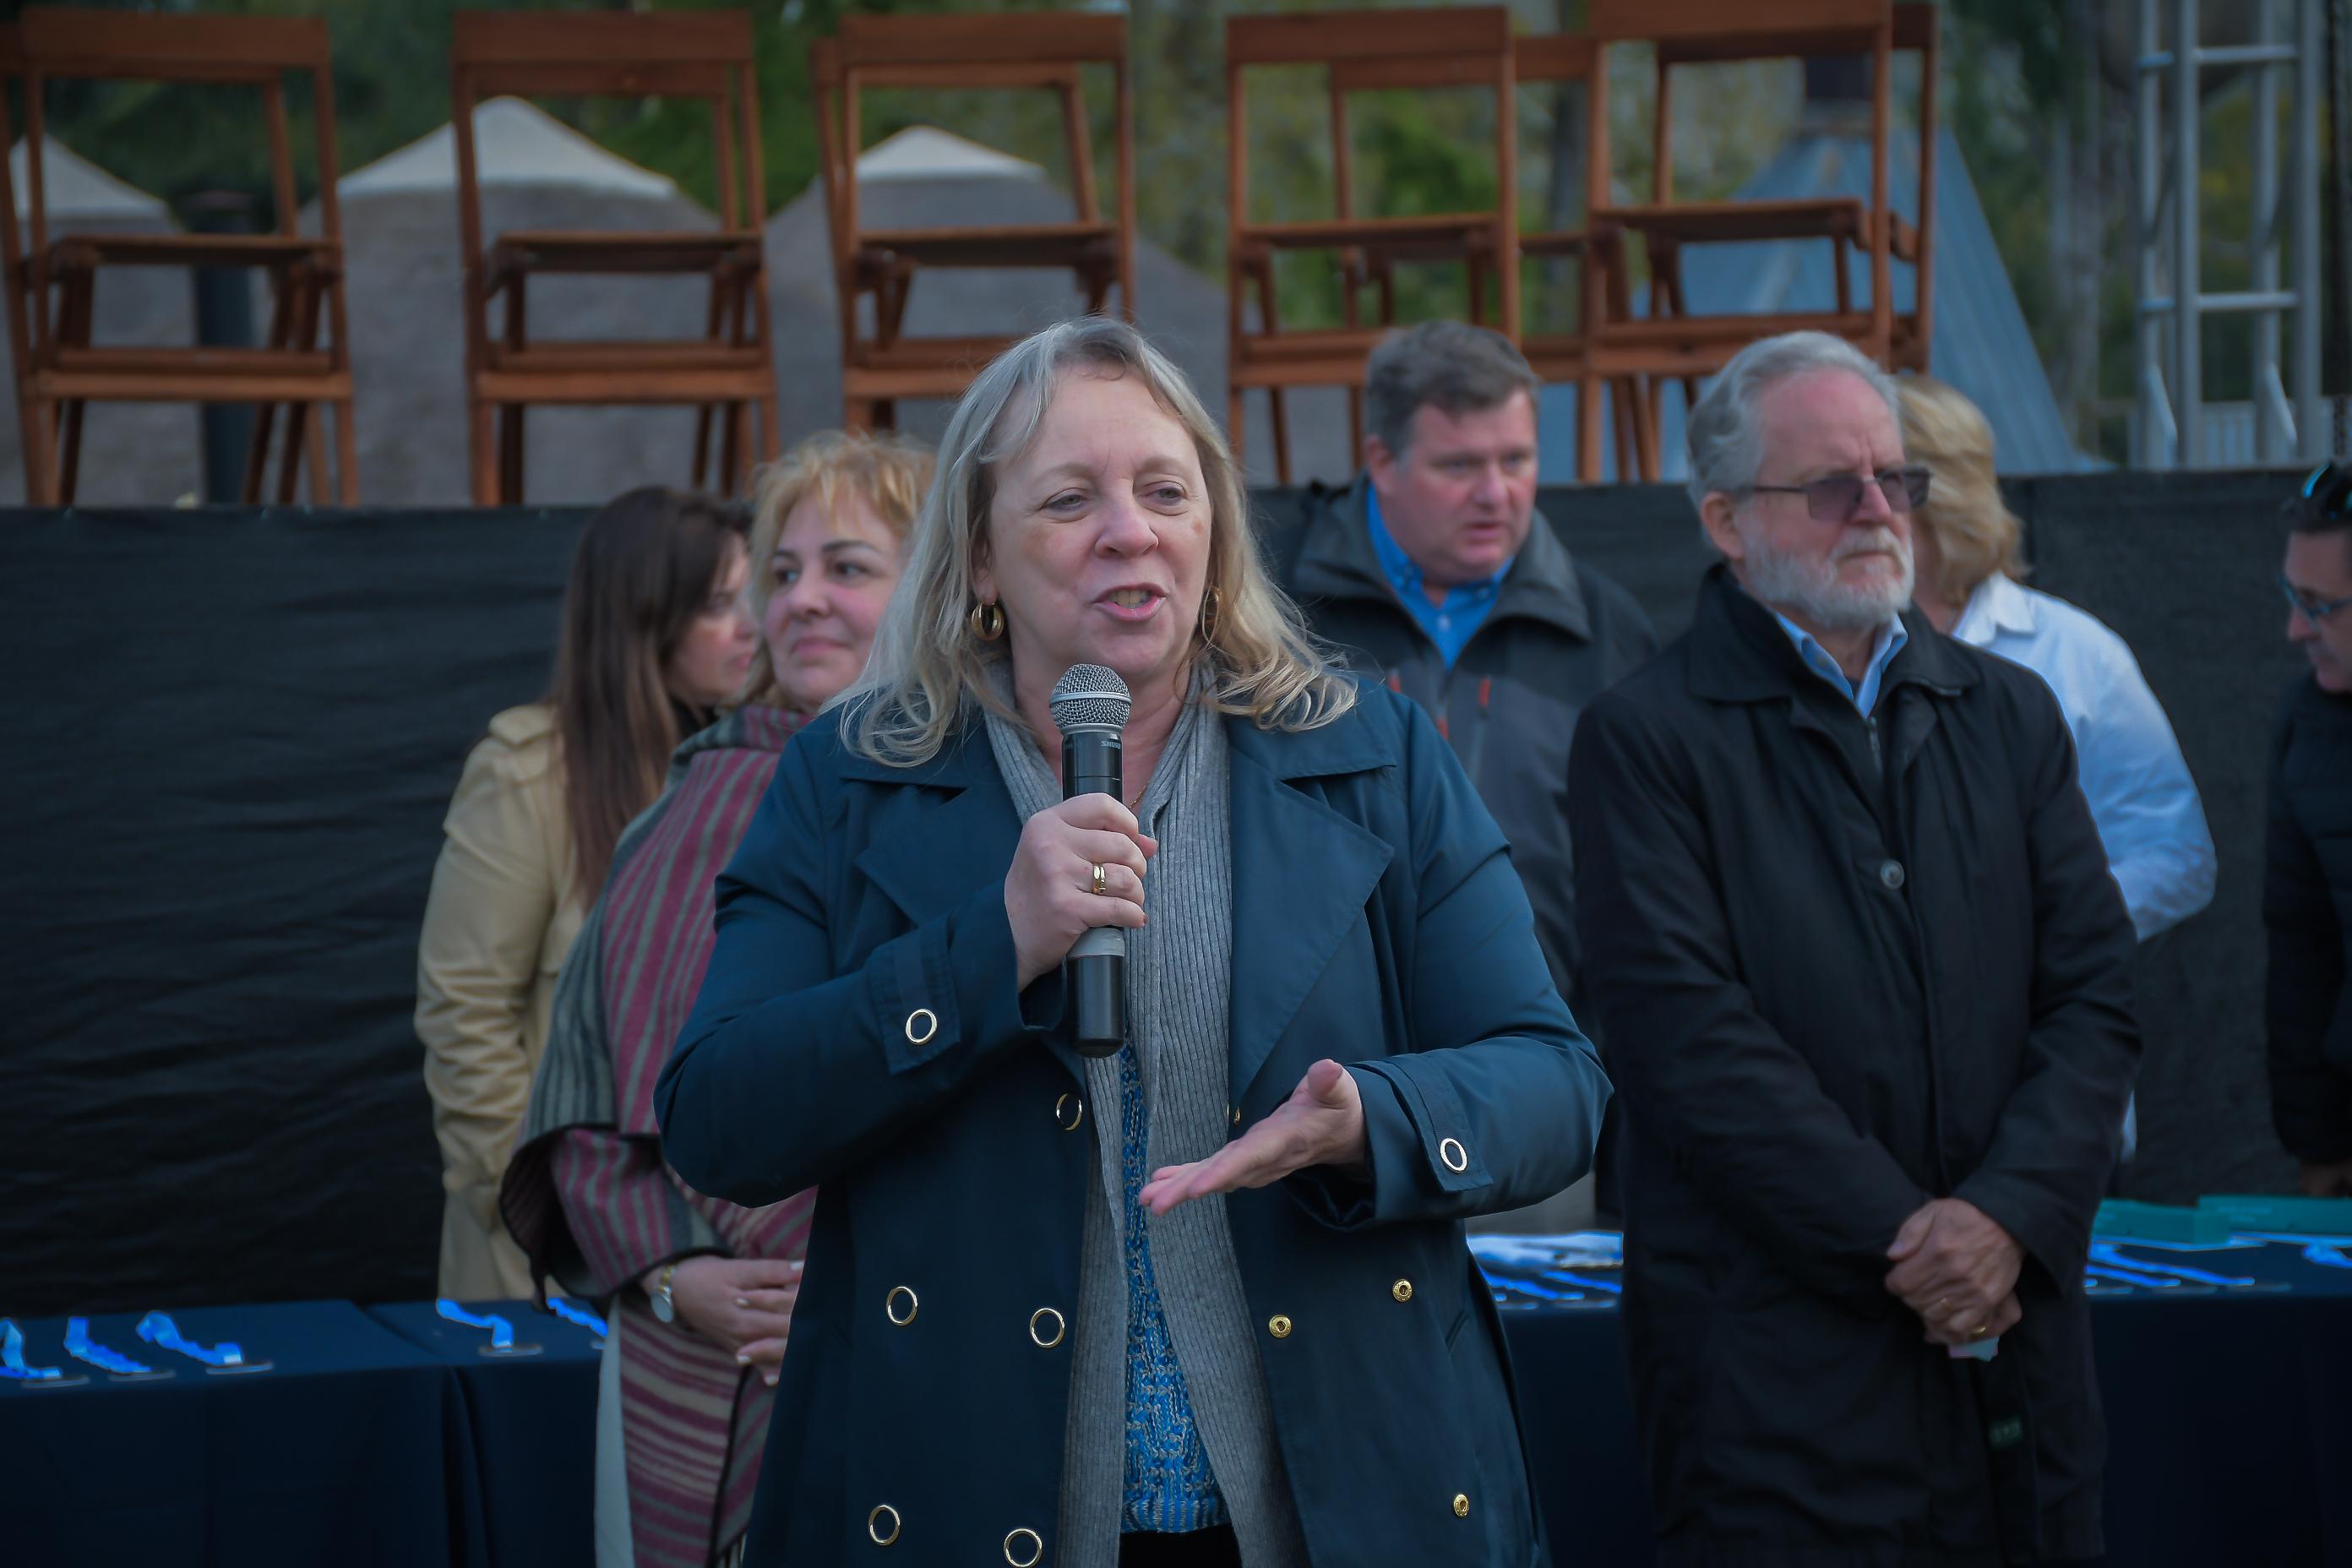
886	414
1281	436
731	449
265	415
1646	427
28	440
302	437
1620	421
347	462
314	454
714	321
511	454
1587	427
41	457
290	461
74	331
69	463
482	446
1234	427
1356	423
701	446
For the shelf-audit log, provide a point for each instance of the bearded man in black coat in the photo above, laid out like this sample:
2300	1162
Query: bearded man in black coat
1867	984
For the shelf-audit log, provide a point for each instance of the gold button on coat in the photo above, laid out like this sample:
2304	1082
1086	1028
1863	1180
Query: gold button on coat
1023	1548
882	1525
1068	1111
899	1305
1279	1326
1402	1290
1460	1506
1045	1328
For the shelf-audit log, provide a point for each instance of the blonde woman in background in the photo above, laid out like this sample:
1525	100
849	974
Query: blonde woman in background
1967	548
655	638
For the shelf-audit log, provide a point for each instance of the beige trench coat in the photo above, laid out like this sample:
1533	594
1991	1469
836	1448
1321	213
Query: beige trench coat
504	909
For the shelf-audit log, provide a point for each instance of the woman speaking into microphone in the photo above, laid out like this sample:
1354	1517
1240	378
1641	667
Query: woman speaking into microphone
1205	1299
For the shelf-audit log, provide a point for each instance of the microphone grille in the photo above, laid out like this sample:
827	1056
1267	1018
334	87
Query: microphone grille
1090	697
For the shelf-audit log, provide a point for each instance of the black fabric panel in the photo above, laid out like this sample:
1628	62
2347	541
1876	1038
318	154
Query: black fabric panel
237	735
2185	566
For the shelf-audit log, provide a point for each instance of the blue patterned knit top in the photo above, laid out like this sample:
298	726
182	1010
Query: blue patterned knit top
1168	1484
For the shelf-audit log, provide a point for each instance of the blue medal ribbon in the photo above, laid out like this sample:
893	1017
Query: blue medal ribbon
2150	1281
501	1331
1583	1283
572	1314
159	1330
81	1347
2326	1257
12	1357
2115	1257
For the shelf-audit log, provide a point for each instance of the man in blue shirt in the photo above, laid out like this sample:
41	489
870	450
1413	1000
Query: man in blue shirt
1434	573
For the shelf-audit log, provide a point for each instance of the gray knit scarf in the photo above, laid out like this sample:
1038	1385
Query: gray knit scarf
1179	994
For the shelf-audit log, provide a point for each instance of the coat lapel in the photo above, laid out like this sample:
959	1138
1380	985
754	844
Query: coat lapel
1302	876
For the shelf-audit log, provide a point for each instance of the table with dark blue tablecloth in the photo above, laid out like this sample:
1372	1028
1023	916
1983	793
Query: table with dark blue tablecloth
352	1450
388	1438
2229	1420
532	1419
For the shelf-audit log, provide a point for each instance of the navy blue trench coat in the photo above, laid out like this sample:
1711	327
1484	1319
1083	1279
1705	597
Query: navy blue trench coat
860	1031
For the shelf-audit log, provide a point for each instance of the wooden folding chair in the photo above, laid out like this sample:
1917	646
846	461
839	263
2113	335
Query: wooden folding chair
728	373
876	268
1672	342
1560	58
52	281
1362	52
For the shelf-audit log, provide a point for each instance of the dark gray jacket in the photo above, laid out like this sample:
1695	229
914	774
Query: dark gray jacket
2307	913
1557	636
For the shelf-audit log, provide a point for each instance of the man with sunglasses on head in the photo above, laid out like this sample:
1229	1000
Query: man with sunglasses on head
1849	932
2308	881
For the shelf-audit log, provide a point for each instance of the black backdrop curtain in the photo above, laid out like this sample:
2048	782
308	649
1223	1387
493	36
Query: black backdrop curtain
236	733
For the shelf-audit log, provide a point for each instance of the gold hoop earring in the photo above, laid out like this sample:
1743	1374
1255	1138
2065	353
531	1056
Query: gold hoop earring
1213	607
987	621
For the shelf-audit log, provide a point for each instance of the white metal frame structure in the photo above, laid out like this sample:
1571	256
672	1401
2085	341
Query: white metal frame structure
2168	426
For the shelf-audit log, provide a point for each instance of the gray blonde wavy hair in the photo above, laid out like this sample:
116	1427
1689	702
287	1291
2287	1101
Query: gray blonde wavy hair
927	664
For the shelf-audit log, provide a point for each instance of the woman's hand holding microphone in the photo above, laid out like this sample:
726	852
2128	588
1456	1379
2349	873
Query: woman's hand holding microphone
1050	895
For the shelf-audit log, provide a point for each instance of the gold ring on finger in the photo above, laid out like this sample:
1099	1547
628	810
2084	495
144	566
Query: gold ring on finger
1980	1331
1102	888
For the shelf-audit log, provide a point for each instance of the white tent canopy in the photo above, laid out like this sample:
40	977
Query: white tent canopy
927	153
515	144
74	187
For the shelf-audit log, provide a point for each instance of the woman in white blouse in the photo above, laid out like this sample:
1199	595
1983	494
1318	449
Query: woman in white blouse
1966	545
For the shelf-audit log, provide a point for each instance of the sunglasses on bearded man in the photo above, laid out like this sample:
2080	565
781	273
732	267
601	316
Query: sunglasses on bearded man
1837	497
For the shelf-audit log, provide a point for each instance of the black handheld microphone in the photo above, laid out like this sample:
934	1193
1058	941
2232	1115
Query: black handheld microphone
1090	705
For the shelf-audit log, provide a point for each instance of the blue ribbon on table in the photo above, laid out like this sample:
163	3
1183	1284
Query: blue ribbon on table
164	1334
501	1331
81	1347
2151	1281
2326	1257
12	1357
572	1314
1607	1286
2115	1257
1518	1287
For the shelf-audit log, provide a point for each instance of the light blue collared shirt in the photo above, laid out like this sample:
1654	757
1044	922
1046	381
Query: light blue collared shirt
1450	625
1887	643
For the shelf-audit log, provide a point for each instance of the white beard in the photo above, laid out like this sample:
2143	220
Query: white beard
1809	588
